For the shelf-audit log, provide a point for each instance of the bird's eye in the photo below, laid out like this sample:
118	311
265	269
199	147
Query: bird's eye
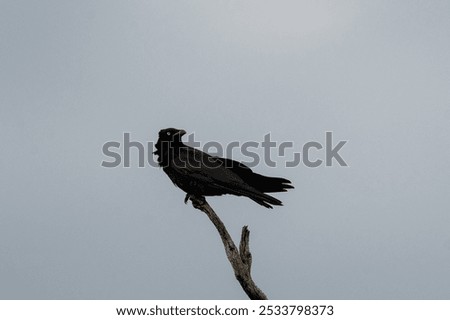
168	133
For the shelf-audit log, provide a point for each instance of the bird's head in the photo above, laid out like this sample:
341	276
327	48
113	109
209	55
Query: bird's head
171	135
168	138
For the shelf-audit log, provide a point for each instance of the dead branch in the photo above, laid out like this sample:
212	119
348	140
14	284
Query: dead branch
241	260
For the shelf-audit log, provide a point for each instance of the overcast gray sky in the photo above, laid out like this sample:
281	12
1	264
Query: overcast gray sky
75	74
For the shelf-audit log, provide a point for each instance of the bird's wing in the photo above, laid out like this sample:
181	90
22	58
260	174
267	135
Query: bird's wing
205	170
258	181
200	165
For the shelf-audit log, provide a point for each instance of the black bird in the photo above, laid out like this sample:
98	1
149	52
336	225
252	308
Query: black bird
200	174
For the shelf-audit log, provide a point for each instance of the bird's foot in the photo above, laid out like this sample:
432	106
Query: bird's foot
197	201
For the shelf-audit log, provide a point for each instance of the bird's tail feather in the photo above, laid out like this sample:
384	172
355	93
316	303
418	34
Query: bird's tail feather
256	195
262	199
270	184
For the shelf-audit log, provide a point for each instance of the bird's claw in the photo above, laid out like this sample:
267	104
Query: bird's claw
197	201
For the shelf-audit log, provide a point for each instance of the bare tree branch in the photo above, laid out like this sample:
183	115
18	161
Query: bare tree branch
241	260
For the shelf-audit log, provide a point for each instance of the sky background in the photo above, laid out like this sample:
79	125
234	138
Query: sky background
76	74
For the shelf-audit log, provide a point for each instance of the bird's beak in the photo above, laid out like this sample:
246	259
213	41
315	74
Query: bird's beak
181	132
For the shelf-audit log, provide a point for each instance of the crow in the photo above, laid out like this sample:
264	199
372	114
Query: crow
200	174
